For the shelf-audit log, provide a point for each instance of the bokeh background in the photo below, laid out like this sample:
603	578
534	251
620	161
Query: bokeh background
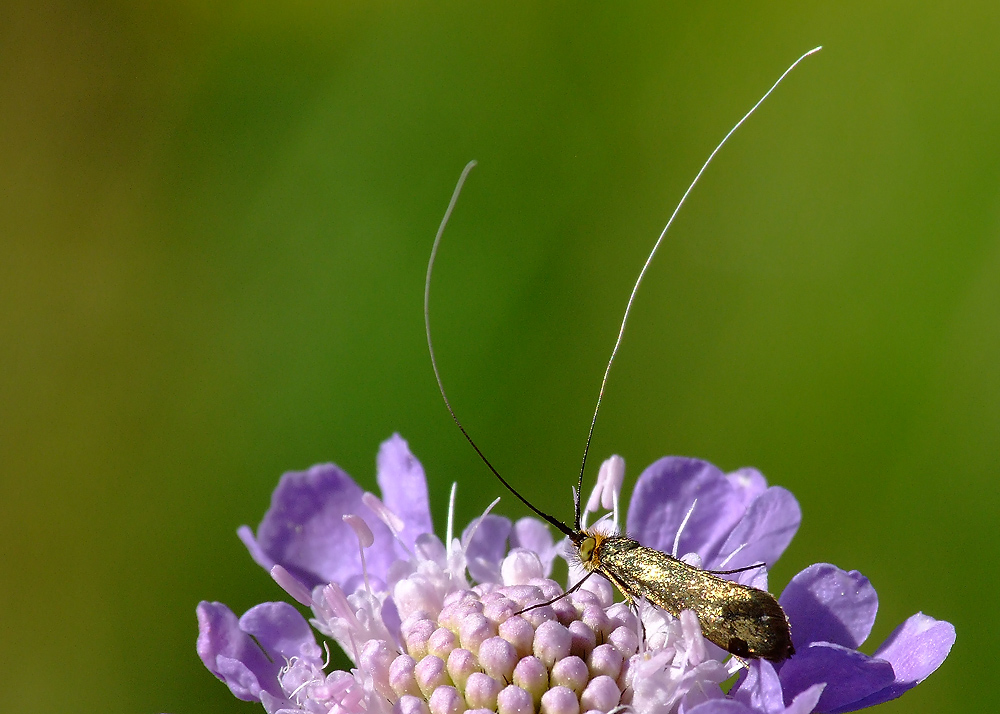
215	219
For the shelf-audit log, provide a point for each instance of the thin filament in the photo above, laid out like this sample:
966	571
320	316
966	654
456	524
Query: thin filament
562	527
649	259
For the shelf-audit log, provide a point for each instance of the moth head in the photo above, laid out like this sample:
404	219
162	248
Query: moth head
588	548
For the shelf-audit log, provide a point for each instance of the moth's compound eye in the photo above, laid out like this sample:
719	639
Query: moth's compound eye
587	549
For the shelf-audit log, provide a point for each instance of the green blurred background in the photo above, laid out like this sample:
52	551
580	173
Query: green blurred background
216	218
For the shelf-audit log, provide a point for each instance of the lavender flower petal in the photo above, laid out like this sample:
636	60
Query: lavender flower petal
281	631
770	523
404	488
748	482
849	675
531	534
721	706
487	546
760	689
806	701
915	649
827	604
304	531
231	654
665	492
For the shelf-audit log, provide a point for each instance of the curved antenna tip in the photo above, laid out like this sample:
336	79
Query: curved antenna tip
649	259
559	525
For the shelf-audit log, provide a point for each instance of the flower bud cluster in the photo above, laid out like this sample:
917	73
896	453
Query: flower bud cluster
423	640
480	652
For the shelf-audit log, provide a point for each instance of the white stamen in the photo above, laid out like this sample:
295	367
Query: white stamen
295	692
365	539
605	517
616	511
391	520
476	523
450	530
339	605
677	538
326	662
395	523
725	561
291	585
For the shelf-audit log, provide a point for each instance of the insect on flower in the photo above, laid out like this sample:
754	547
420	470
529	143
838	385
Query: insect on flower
746	621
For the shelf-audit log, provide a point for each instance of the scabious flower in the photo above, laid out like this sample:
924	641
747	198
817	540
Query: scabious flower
436	627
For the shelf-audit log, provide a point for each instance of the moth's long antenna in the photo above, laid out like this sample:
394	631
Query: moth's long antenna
562	527
649	259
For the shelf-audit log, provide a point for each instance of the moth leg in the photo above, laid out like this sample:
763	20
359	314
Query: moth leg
560	597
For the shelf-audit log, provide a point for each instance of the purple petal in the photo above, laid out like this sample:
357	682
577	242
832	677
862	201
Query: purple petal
531	534
281	631
231	654
849	675
827	604
748	482
663	496
806	701
245	534
770	523
278	705
721	706
915	649
760	689
304	531
487	546
404	488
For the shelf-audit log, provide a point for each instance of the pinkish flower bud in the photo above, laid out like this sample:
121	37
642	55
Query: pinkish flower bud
442	642
531	675
402	678
552	642
514	700
461	663
625	641
572	673
602	693
606	659
474	629
417	636
560	700
584	639
446	700
410	705
519	633
498	658
431	673
481	691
